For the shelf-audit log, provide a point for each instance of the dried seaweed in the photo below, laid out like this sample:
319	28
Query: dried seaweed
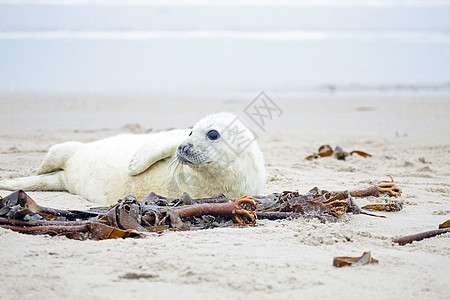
337	152
342	261
446	224
130	217
395	206
382	187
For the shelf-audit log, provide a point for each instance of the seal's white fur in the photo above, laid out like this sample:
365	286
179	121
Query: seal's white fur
109	169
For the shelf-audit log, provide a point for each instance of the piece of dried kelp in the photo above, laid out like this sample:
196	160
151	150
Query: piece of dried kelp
103	232
395	206
319	203
385	187
342	261
125	215
338	152
446	224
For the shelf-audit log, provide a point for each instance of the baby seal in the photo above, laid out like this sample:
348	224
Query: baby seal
218	156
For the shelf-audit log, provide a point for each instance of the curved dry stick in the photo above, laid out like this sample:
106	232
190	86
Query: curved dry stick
47	229
419	236
372	215
275	215
40	222
212	200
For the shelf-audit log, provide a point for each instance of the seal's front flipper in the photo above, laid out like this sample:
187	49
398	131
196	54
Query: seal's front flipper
162	146
45	182
147	155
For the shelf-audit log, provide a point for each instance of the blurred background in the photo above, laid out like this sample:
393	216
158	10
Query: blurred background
209	47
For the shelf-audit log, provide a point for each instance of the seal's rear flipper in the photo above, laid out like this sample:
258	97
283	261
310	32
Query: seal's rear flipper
45	182
57	156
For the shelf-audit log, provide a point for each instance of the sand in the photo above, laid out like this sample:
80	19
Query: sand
409	138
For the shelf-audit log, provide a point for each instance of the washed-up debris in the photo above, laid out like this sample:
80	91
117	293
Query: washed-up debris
382	187
395	206
420	236
19	212
342	261
446	224
128	218
337	152
443	228
131	217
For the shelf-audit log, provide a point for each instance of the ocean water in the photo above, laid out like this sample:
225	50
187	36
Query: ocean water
225	47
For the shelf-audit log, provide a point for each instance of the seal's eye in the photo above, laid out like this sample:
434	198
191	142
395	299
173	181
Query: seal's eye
213	135
190	133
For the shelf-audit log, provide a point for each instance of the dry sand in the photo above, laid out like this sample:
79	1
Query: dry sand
409	138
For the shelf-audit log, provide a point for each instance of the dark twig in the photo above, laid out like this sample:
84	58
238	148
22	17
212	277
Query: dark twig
40	222
372	215
275	215
47	229
419	236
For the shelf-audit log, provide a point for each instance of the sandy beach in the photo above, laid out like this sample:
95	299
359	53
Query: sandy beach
408	138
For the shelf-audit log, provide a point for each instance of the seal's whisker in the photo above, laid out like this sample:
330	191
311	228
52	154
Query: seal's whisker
174	167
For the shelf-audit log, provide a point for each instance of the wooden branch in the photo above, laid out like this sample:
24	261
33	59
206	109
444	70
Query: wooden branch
419	236
39	229
275	215
40	222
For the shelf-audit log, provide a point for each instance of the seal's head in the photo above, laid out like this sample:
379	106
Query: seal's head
221	154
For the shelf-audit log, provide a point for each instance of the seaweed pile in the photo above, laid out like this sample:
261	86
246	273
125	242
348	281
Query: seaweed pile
131	217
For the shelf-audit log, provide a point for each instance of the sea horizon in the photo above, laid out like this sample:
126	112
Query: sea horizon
217	47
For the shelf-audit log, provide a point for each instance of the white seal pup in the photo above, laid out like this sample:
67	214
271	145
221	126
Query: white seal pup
218	156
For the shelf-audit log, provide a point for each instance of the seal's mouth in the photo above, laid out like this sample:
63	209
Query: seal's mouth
186	154
191	160
183	160
186	158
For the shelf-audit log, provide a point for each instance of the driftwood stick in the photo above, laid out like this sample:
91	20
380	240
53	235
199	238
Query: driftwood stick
212	200
47	229
41	222
69	214
419	236
275	215
372	215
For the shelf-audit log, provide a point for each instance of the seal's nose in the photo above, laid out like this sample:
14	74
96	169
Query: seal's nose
184	147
